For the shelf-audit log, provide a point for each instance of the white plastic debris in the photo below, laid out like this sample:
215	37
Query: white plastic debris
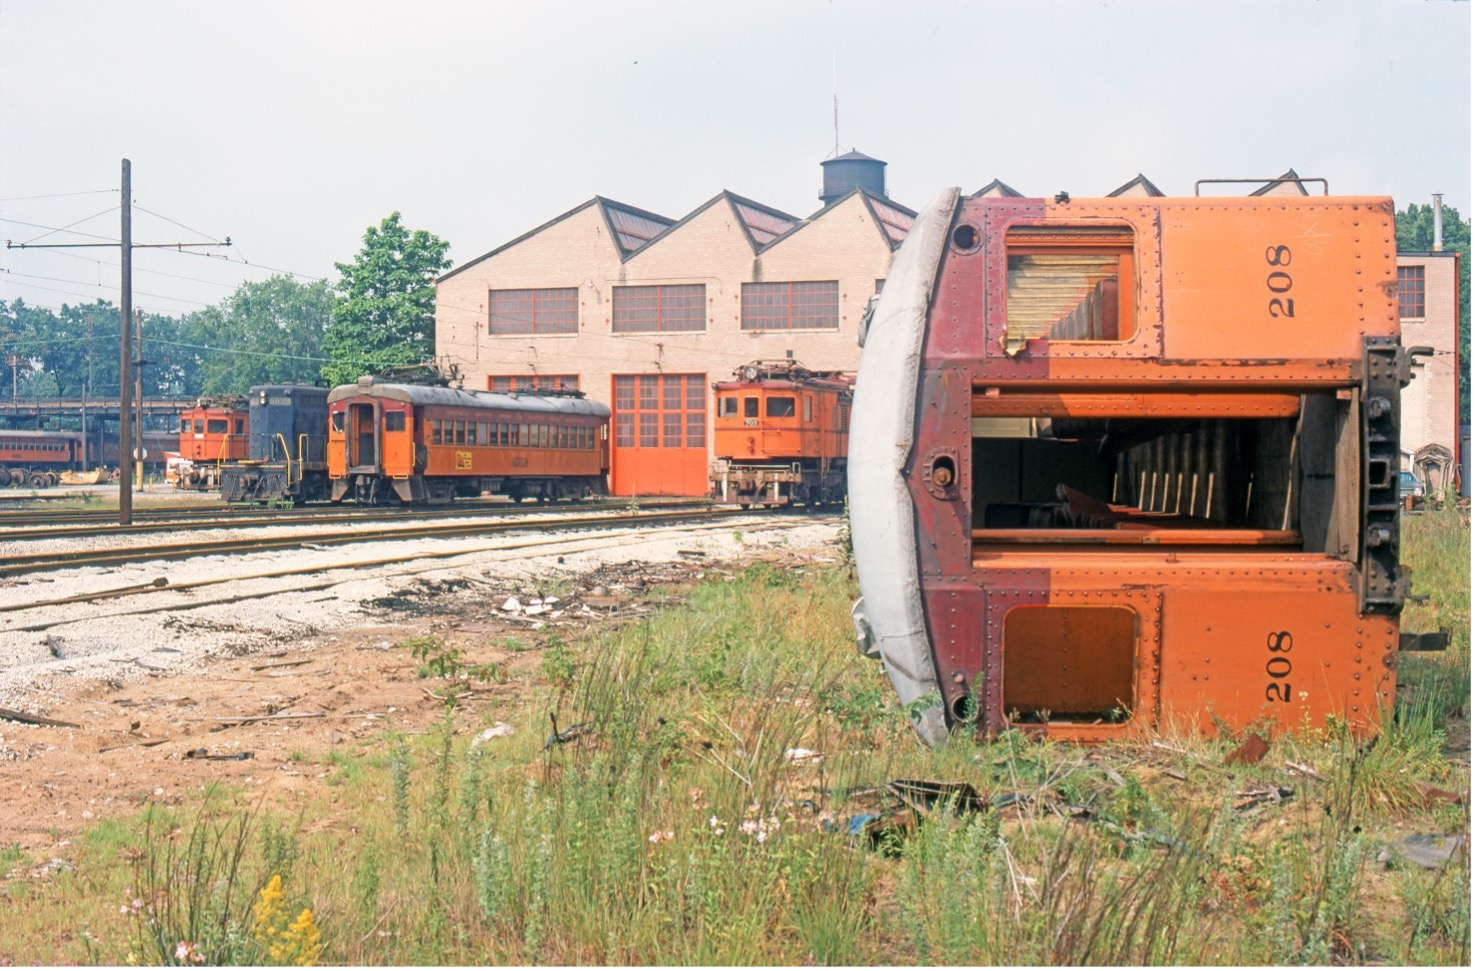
499	730
513	605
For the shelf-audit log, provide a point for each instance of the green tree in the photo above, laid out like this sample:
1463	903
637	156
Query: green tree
1416	235
385	312
267	332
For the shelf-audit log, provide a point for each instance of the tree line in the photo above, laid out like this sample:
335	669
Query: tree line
380	313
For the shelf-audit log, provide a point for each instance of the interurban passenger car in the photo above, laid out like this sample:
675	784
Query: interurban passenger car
1131	464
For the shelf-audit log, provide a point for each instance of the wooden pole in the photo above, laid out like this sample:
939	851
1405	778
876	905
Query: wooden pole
125	373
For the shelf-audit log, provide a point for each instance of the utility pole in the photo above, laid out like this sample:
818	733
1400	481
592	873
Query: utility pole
138	453
125	311
125	362
86	390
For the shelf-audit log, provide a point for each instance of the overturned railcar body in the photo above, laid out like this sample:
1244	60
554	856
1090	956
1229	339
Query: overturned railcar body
1127	465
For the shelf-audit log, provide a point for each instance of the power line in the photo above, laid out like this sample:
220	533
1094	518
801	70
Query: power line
54	229
58	195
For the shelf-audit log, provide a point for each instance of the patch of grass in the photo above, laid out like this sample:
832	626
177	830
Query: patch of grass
681	825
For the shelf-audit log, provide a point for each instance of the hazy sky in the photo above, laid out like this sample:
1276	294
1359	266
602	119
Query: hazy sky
292	126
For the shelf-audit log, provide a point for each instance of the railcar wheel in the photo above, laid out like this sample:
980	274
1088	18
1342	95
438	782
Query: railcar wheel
37	480
17	477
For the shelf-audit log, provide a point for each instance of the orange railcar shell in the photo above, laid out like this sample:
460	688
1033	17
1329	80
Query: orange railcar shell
1130	465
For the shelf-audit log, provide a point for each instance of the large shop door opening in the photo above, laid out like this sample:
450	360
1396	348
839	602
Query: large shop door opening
660	435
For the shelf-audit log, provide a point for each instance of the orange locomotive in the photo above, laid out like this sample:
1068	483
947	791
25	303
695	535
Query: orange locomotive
1131	465
781	435
211	434
395	442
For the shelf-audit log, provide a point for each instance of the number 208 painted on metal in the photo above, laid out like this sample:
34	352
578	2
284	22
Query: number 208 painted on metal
1279	281
1278	666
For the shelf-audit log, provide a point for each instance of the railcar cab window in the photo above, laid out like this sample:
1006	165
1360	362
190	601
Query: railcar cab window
337	421
186	426
727	407
1069	283
215	426
394	421
750	407
781	406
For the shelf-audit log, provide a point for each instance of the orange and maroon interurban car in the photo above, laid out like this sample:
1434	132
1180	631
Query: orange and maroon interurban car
1130	465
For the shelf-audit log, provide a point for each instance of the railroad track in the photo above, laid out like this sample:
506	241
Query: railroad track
14	565
165	596
100	523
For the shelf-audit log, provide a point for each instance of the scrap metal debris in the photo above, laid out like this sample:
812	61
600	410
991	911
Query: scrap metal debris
1428	850
29	719
1250	752
200	753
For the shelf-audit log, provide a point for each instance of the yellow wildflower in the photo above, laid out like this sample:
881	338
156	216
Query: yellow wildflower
265	912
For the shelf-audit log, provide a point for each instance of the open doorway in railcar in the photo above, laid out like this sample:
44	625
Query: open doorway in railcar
1143	470
362	436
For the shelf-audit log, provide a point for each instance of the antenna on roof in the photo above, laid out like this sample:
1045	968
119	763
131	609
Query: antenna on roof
835	87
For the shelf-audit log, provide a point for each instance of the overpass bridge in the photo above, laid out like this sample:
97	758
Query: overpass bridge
30	412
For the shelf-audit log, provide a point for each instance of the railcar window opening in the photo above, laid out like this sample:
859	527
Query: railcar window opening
215	426
727	406
750	407
1069	664
808	409
1069	283
1140	483
336	421
394	421
240	425
780	406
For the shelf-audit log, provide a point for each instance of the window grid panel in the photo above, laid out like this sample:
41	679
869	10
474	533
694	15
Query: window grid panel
656	309
1411	291
541	311
803	305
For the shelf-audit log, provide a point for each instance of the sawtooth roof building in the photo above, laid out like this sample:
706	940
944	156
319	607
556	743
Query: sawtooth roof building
644	312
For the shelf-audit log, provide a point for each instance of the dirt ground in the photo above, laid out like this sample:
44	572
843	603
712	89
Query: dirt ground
267	720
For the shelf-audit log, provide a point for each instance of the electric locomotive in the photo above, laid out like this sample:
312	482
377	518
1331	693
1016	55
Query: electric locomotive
1131	465
780	435
413	443
211	434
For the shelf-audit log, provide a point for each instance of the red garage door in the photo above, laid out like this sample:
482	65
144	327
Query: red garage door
660	435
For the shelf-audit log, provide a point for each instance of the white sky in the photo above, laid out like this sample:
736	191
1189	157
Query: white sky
293	126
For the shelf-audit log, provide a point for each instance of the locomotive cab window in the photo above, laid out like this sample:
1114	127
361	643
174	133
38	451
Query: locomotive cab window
727	406
1069	283
781	406
215	426
394	421
750	407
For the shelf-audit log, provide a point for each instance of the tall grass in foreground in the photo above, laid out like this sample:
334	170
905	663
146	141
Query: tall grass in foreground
701	813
